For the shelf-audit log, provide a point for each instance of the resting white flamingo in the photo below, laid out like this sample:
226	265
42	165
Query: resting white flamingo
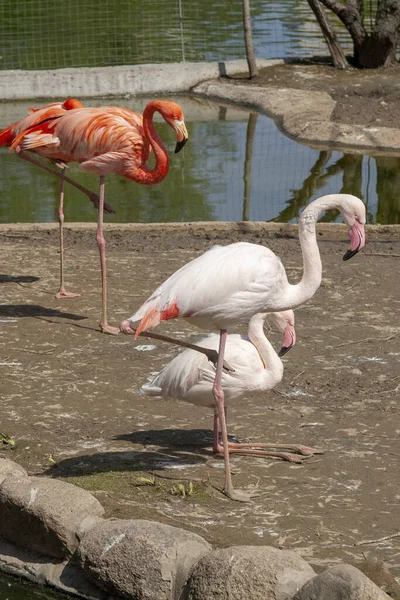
254	367
229	284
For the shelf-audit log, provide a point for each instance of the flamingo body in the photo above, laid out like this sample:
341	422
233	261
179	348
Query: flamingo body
35	117
190	375
228	284
108	139
224	286
256	368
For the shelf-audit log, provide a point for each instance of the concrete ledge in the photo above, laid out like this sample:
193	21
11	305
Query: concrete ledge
329	231
117	81
305	116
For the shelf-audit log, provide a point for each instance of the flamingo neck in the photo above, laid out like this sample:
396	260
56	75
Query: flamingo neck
143	174
272	363
312	266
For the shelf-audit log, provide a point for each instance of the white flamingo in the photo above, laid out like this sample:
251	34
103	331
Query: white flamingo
255	368
227	285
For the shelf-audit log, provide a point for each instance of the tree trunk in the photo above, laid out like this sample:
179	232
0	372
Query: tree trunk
248	40
338	57
377	49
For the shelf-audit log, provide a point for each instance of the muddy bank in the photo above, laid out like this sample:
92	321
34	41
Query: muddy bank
71	396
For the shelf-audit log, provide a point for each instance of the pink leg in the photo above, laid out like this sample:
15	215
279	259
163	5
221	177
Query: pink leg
219	401
239	449
216	444
302	452
105	327
212	355
91	195
61	292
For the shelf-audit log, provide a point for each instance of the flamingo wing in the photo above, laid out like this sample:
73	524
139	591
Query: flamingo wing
225	285
35	117
190	376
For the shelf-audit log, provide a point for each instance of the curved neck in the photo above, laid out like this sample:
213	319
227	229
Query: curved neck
143	174
272	363
312	266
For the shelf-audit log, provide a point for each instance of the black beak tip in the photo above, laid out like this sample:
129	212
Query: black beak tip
179	145
349	254
284	350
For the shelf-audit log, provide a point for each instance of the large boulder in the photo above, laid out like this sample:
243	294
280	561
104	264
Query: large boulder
251	572
140	559
10	468
339	582
45	515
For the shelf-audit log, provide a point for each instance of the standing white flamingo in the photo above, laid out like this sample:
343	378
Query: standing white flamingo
227	285
254	367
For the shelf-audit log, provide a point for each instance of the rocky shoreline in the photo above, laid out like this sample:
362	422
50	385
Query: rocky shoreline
54	533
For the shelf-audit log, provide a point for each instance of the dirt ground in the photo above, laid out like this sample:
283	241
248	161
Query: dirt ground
364	97
70	395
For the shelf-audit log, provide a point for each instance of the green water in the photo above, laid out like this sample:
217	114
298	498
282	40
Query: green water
37	35
12	588
236	166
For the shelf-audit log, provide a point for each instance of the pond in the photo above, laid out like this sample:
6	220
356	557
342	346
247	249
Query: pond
236	166
32	36
12	588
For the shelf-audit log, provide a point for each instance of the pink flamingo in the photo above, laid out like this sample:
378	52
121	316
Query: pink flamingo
35	117
227	285
109	139
254	367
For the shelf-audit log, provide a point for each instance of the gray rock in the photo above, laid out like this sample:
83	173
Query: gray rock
10	468
380	574
62	575
45	515
248	572
140	559
341	582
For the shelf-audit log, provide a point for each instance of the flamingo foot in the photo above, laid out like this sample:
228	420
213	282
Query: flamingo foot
106	328
303	452
125	327
296	448
63	294
238	495
306	451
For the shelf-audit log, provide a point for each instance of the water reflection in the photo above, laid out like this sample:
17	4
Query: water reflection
128	33
12	588
236	166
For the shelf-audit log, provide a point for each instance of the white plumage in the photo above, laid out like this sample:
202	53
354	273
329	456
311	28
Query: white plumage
257	367
227	285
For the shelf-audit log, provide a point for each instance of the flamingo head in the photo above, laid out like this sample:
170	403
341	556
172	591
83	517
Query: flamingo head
172	113
354	215
72	103
284	322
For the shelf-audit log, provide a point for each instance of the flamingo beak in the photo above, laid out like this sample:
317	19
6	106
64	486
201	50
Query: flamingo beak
289	339
357	240
181	134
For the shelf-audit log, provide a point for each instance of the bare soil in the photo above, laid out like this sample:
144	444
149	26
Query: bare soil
364	97
71	395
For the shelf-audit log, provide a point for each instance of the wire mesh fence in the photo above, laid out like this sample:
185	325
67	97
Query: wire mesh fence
223	174
47	34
